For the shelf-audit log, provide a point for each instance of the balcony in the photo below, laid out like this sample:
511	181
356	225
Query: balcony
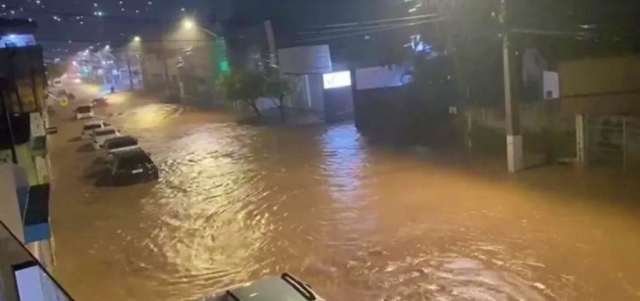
22	275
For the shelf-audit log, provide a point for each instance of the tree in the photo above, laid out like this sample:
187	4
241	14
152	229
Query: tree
276	89
56	70
244	86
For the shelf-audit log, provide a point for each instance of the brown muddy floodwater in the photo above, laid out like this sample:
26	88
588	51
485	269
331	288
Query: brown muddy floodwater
236	203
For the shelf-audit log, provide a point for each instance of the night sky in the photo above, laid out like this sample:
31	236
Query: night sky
68	26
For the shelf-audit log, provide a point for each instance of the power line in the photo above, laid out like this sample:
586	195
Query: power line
367	23
81	16
360	28
364	32
93	41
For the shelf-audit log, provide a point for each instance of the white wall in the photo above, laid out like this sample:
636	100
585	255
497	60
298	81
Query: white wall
379	77
42	168
10	210
37	124
305	60
35	285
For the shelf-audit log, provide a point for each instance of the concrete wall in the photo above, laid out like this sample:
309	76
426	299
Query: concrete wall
545	131
599	75
10	213
600	85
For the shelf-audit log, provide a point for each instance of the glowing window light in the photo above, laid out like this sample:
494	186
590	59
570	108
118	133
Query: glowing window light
336	79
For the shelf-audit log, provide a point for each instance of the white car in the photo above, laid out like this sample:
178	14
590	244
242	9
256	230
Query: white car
285	287
120	144
101	135
84	112
90	126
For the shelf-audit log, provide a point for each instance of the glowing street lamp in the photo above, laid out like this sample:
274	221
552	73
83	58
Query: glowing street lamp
136	39
188	24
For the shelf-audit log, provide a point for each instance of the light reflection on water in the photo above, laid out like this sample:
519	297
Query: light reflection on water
358	222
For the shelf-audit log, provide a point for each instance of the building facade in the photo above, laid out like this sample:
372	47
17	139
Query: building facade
23	143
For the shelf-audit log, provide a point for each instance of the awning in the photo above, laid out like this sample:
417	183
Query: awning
36	216
37	211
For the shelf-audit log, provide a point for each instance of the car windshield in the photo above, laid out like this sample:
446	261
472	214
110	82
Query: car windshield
92	126
121	142
134	161
105	132
84	109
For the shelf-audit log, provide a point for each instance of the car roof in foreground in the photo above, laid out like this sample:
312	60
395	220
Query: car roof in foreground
270	289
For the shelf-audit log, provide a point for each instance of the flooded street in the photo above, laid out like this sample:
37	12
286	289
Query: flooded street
357	222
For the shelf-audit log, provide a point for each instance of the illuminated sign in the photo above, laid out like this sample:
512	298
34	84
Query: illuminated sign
336	79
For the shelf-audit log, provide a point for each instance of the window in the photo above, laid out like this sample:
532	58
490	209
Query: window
121	142
134	161
105	132
39	143
89	127
37	211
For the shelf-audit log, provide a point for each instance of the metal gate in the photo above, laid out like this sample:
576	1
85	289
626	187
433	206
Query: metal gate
614	140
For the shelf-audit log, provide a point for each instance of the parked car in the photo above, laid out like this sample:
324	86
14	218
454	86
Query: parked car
84	112
120	143
285	287
90	126
57	82
99	102
101	135
130	167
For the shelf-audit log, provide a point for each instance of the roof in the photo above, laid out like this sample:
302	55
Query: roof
269	289
93	122
129	153
104	129
17	26
121	138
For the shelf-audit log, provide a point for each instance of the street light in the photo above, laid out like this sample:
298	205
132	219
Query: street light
136	39
188	24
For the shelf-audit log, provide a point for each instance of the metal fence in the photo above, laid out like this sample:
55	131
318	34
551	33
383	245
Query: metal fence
614	140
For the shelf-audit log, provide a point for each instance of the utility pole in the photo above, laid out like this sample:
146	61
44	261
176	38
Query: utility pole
272	44
515	160
142	78
129	67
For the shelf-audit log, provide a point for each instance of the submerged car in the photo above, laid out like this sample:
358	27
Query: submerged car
89	127
120	143
283	288
84	112
99	102
101	135
130	167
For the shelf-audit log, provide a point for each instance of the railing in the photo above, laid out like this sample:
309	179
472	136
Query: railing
22	277
614	140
